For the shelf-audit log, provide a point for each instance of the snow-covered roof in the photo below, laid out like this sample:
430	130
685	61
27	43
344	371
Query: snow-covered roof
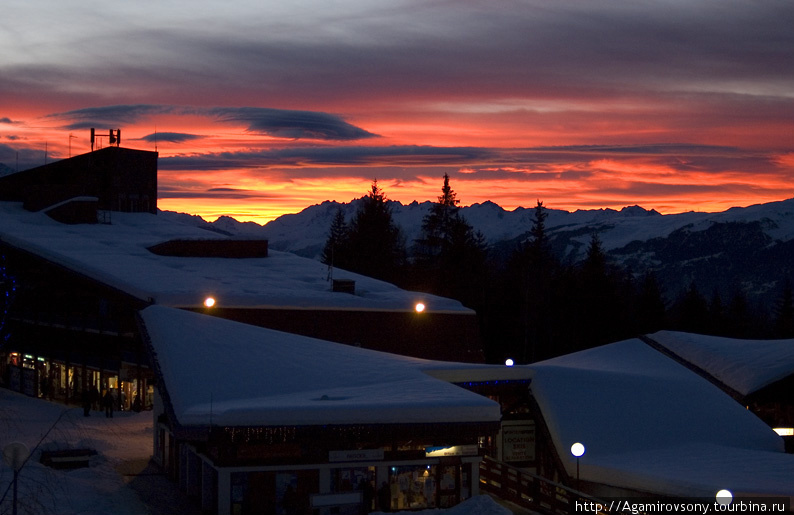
744	365
117	255
240	375
650	424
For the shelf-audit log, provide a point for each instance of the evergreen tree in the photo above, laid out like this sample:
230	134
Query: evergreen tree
692	312
374	245
449	256
536	270
740	321
650	308
598	304
335	244
540	241
784	313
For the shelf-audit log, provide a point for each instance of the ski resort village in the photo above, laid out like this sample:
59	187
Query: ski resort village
255	381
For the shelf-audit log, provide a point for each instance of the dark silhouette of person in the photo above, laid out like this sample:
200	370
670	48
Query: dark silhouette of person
94	397
86	399
107	403
368	494
384	497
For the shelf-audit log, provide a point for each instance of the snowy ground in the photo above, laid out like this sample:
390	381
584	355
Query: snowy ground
99	489
123	444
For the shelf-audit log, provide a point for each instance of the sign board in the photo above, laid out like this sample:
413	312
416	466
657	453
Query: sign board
355	455
518	441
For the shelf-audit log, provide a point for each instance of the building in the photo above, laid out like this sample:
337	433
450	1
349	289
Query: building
652	428
758	374
82	252
252	420
106	180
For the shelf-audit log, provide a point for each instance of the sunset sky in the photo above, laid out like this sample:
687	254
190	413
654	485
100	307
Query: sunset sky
263	108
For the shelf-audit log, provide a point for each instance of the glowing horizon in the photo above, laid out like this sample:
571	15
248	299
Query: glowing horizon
259	111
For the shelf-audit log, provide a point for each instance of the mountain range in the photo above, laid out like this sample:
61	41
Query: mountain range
749	249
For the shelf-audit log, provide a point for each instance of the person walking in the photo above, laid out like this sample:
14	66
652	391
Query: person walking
107	403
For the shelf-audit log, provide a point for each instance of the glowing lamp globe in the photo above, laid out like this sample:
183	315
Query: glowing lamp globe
209	302
724	497
419	307
509	362
577	449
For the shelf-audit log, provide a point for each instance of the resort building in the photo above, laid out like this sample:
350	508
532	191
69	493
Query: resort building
252	420
83	249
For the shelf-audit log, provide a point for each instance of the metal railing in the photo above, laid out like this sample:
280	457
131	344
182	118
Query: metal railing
530	491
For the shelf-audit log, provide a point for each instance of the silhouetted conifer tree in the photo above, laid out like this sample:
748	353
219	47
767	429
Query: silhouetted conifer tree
651	311
374	245
784	313
691	312
534	270
334	248
449	256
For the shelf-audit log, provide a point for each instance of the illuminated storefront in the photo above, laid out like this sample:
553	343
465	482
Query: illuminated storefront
346	482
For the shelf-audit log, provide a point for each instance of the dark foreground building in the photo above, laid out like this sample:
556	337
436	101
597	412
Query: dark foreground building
82	252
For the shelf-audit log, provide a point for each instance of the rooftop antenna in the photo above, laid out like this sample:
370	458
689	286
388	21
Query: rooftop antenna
71	136
155	138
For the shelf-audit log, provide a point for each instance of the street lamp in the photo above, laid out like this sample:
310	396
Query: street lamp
509	362
577	450
724	497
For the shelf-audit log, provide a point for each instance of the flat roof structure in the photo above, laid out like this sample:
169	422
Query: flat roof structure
252	376
117	254
151	259
746	366
651	425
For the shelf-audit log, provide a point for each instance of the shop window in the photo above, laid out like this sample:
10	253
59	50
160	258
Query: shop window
280	493
448	486
410	488
354	480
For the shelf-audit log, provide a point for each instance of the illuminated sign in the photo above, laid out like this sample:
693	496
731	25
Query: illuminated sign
455	450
